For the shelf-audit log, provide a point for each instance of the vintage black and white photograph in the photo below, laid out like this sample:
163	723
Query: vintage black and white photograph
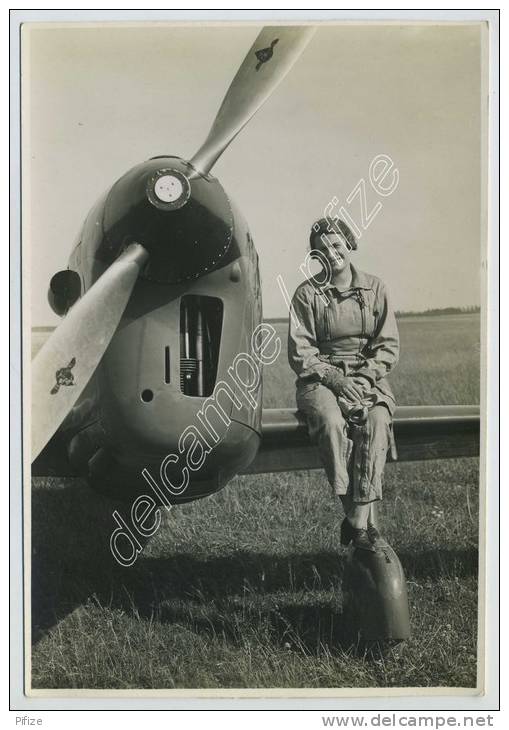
253	274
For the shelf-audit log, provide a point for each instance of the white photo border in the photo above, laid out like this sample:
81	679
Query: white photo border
152	700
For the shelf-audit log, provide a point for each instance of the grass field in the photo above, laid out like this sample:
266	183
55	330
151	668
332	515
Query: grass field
243	589
439	363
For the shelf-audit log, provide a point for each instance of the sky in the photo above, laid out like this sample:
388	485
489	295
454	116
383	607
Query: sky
100	99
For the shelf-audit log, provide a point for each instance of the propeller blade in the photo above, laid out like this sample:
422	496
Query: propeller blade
68	359
271	57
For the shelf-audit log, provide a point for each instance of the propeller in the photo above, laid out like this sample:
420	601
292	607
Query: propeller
270	58
68	359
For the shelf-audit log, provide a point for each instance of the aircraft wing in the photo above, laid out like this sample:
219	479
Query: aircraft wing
421	432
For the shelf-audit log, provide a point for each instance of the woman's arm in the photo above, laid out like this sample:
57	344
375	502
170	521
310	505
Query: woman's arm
303	352
383	350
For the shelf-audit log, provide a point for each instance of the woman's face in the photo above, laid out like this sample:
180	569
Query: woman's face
335	250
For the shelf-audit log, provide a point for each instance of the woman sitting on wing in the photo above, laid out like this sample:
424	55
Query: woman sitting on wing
345	343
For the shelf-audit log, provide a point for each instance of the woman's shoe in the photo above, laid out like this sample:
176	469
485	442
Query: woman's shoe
357	536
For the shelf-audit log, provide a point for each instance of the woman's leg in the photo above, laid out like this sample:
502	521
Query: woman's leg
357	512
329	431
371	443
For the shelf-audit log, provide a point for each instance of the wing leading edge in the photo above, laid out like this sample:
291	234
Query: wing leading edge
422	432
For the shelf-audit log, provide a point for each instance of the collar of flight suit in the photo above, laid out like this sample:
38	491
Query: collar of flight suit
360	280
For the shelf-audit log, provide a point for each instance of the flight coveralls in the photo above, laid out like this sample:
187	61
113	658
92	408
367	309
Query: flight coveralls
356	331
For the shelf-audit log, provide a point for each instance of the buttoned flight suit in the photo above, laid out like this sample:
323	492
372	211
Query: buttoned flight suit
355	330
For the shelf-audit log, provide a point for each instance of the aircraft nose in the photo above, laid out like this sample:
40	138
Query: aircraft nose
182	218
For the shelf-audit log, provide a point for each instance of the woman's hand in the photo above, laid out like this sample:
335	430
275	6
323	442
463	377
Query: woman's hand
341	385
363	383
